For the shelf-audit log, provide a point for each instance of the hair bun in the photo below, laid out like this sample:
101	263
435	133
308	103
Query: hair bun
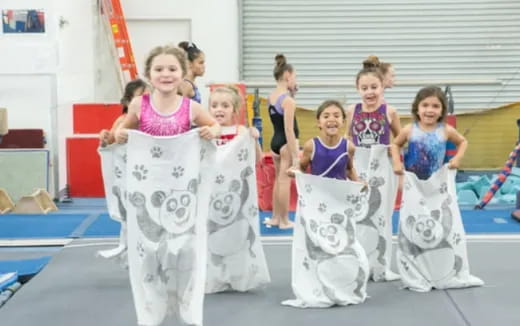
187	46
183	45
280	60
371	62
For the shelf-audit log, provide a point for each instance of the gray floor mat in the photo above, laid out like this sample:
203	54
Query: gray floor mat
77	288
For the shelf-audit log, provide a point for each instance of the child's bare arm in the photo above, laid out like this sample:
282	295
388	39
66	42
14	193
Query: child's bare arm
131	121
462	144
256	135
349	114
396	146
209	128
186	89
351	171
395	124
305	160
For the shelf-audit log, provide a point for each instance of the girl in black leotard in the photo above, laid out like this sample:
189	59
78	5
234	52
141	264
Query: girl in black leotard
284	144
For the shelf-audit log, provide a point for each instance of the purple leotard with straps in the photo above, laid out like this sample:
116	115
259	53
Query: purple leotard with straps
330	162
370	128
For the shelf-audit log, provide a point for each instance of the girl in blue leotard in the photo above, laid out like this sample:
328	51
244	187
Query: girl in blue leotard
427	136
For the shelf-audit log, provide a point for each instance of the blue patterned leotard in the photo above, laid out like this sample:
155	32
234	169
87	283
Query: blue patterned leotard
426	151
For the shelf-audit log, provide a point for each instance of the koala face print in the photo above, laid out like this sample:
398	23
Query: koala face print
425	231
177	209
358	206
224	207
332	238
177	213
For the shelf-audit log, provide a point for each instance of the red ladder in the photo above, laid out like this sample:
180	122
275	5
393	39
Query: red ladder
113	12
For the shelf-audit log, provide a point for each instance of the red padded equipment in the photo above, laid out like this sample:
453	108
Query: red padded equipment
84	167
92	118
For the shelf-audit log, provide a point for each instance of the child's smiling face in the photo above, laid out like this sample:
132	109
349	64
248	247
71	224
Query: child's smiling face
221	108
430	110
370	89
331	120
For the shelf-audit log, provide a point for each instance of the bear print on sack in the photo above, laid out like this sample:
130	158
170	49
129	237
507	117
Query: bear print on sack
226	217
170	266
367	231
425	239
330	245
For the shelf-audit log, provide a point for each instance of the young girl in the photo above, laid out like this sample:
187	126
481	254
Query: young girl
329	154
371	121
196	69
164	112
427	136
236	260
325	222
157	216
224	103
432	246
388	73
134	88
284	144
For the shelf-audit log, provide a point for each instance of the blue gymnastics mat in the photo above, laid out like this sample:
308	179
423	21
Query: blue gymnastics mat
475	222
18	226
25	268
270	231
103	226
22	226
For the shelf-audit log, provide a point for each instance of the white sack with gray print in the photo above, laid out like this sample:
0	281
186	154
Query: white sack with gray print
432	242
375	208
169	185
236	259
113	169
329	266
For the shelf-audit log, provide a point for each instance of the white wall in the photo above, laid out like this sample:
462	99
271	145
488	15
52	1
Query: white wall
214	29
42	75
26	63
27	72
75	71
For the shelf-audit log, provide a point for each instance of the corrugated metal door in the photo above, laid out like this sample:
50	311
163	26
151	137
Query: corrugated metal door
429	41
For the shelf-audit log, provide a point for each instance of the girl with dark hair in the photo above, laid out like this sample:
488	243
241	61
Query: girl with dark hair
431	251
134	88
427	136
196	68
330	154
